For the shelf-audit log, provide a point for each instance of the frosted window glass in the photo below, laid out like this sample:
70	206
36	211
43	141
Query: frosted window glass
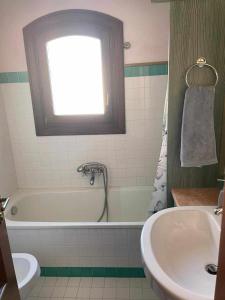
75	67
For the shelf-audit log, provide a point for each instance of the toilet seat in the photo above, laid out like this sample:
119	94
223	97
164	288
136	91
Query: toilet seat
27	271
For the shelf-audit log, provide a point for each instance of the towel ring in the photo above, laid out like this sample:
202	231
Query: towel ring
201	62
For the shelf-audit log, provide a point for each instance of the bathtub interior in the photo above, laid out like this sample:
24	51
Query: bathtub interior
85	205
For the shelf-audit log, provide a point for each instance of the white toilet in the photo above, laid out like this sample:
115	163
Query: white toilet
27	272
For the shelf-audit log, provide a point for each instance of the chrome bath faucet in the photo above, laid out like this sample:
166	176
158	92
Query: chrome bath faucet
92	169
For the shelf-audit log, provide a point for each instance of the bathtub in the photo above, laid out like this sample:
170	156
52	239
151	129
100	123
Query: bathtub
59	226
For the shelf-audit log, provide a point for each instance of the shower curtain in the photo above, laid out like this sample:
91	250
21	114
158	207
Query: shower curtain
159	195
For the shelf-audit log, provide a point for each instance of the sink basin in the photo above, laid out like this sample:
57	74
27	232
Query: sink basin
177	244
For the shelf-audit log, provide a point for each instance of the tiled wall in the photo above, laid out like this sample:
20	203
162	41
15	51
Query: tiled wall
8	182
52	161
80	247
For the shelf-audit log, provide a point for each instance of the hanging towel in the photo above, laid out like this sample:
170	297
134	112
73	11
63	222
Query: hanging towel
198	143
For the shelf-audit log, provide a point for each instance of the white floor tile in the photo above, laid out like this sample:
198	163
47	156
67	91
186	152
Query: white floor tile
122	282
86	282
40	281
148	294
62	281
75	281
59	291
84	292
110	282
109	293
50	281
122	293
136	293
35	291
71	292
46	291
88	288
96	293
98	282
146	283
136	282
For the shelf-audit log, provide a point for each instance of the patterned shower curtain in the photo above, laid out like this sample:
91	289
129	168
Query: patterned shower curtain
159	195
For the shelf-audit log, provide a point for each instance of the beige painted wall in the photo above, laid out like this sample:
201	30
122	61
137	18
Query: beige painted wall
146	26
8	182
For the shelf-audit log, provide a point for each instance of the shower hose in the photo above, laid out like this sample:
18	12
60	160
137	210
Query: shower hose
105	209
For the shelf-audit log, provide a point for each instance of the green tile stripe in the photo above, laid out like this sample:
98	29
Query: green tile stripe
92	272
13	77
146	70
129	71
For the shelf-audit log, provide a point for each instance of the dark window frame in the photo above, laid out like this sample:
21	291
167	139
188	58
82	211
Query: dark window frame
81	22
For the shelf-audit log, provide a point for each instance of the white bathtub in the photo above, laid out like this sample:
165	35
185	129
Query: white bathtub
59	226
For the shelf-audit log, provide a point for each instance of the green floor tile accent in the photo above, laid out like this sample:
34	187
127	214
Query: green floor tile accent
129	71
92	272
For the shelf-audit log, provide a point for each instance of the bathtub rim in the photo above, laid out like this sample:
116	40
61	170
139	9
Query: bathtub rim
19	193
70	225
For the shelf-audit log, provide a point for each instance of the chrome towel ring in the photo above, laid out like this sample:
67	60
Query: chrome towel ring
201	62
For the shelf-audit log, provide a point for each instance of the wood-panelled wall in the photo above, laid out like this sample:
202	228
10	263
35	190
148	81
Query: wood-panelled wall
197	29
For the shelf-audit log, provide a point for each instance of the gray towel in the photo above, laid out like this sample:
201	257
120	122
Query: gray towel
198	143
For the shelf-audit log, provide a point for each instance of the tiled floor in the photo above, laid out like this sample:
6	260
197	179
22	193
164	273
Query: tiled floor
60	288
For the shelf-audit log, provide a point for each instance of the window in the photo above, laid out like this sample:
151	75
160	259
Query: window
80	58
75	64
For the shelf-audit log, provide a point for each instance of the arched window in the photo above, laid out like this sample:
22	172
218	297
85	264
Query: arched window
76	72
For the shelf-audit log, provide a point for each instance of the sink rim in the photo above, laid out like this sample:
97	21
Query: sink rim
150	261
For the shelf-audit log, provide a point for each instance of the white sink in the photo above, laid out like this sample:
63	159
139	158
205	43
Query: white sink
177	244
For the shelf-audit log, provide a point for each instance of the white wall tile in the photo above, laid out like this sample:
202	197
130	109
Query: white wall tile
8	180
102	247
52	161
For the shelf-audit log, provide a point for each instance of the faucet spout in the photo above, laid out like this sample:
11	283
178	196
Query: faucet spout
92	180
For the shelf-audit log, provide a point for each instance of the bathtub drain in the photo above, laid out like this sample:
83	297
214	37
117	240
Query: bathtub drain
211	269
